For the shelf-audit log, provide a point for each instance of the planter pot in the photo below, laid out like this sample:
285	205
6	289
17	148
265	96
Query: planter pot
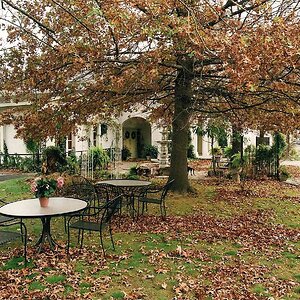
44	201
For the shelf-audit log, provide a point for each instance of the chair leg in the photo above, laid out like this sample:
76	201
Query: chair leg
163	210
68	244
79	236
81	240
143	208
101	240
65	223
24	239
21	228
111	238
138	210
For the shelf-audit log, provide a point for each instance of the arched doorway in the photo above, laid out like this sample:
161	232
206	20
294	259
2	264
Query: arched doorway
136	134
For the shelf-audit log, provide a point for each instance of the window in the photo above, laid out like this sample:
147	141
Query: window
262	141
70	142
95	134
103	128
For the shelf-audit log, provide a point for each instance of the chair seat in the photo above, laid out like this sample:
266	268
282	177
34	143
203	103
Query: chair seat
8	236
87	225
150	200
5	219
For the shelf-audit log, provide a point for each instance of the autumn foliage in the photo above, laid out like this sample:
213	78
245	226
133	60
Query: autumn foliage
75	61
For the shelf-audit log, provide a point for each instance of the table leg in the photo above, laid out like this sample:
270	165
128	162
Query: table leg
129	196
46	235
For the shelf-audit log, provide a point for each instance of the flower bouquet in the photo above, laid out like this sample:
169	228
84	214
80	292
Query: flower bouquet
44	187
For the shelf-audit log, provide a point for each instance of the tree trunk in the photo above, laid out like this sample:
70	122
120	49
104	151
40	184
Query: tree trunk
181	126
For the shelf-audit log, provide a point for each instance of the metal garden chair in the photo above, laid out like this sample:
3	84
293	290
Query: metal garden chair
155	196
9	235
83	190
95	218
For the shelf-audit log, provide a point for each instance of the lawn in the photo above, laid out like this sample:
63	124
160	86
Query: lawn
223	242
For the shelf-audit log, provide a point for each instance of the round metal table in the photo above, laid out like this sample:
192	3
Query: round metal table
30	208
129	187
126	182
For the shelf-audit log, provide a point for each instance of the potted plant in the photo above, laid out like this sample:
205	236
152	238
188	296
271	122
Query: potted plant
44	187
150	151
125	153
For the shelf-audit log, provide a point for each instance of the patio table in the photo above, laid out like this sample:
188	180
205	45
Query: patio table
30	208
129	187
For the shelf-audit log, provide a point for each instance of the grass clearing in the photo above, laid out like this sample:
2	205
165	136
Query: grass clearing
214	245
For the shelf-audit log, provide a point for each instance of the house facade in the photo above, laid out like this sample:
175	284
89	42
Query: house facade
130	130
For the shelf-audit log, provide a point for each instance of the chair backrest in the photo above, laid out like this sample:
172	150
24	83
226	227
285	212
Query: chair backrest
107	192
110	209
78	179
166	188
4	219
83	191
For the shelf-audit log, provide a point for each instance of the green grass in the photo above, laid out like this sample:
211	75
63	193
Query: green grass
166	265
36	285
15	189
286	212
55	279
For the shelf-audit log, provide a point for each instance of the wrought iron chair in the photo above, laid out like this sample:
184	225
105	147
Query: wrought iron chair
110	191
83	190
106	192
155	196
8	236
133	195
97	220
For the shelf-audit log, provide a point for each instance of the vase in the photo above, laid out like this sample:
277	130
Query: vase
44	201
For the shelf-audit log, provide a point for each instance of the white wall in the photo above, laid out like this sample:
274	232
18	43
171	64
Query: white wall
14	145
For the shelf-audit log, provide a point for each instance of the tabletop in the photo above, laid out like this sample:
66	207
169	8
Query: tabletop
30	208
126	182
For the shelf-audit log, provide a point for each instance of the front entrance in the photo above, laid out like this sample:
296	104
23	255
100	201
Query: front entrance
136	134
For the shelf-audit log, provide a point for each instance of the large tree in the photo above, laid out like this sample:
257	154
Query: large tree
179	59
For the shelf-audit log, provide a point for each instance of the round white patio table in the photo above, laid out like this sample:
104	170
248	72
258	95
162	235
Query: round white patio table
30	208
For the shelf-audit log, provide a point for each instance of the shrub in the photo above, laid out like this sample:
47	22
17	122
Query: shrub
54	158
150	150
102	174
27	164
236	161
125	153
279	145
99	158
228	152
72	166
283	173
216	151
6	155
263	155
190	152
133	170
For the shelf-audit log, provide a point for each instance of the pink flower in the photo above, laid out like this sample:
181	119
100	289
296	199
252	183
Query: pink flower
60	182
33	187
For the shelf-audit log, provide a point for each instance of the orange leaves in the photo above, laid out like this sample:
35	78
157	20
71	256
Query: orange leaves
119	53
